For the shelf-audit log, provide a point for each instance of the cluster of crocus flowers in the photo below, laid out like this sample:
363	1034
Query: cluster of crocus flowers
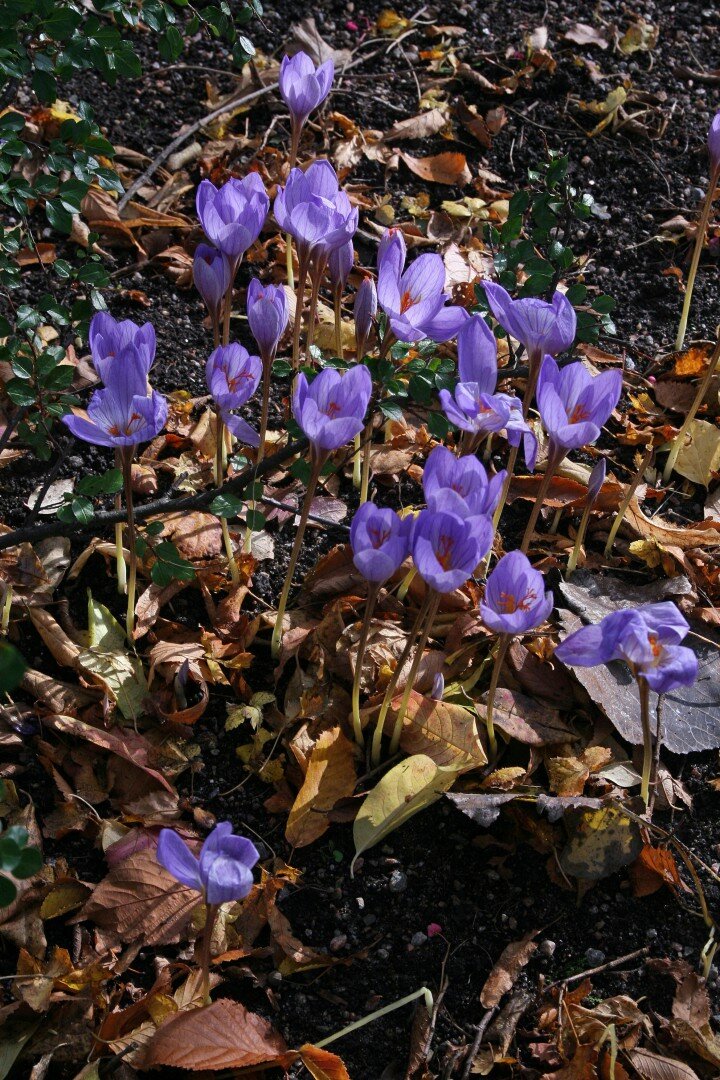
330	412
123	414
648	639
222	873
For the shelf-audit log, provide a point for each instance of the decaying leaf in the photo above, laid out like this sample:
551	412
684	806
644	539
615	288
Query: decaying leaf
505	971
445	732
330	777
322	1065
699	455
601	843
450	167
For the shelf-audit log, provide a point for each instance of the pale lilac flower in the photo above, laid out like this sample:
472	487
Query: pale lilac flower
380	542
596	480
303	86
539	326
515	599
267	312
232	375
316	213
364	313
123	413
414	300
574	404
222	873
212	275
340	263
460	484
109	337
331	410
233	215
714	142
447	549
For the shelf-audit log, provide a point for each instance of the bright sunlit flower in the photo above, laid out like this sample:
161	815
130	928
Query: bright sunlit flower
414	300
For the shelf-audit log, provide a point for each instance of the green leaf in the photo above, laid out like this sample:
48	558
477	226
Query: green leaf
170	565
106	484
226	506
171	44
58	216
255	520
604	304
12	667
29	863
8	892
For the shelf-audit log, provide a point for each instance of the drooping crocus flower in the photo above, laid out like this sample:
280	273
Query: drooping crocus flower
303	86
364	313
232	375
460	485
515	601
109	337
648	640
330	411
222	873
332	408
541	327
573	405
212	276
233	214
414	300
380	543
122	414
267	313
446	549
475	407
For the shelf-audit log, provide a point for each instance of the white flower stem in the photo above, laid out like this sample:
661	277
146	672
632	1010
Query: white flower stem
577	546
554	459
695	262
512	458
6	606
644	692
500	654
119	549
622	509
422	992
276	641
219	473
373	590
127	456
432	608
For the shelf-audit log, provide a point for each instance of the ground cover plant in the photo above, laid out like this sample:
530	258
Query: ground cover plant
359	546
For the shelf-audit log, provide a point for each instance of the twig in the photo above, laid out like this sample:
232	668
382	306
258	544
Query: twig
479	1033
601	967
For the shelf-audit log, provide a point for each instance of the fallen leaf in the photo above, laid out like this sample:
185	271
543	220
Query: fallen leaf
423	126
583	34
651	1066
640	36
330	777
654	868
601	843
445	732
699	455
527	721
447	168
322	1065
506	969
107	657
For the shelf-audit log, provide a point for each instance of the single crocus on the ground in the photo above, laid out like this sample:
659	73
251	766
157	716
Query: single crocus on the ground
222	873
121	416
648	640
573	405
109	337
330	411
713	144
233	214
543	328
303	88
379	539
515	601
414	300
212	276
446	549
267	312
595	483
317	214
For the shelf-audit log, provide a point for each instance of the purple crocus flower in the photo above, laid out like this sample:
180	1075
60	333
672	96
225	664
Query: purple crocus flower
233	215
713	142
596	480
109	338
212	275
303	87
339	266
574	404
446	549
123	413
223	871
364	313
646	638
515	599
267	312
460	484
331	410
380	542
475	407
539	326
315	212
414	299
232	375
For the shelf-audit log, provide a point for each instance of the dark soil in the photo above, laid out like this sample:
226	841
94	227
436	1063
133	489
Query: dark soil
484	890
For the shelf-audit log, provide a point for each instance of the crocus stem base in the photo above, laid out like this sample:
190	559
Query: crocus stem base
679	440
366	447
294	555
299	302
553	461
577	546
357	463
423	992
644	692
337	306
362	643
432	607
6	606
697	250
119	549
132	576
406	583
219	472
512	458
622	509
390	689
210	915
500	654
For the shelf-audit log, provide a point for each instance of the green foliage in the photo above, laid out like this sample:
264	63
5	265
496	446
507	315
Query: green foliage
12	667
16	857
536	239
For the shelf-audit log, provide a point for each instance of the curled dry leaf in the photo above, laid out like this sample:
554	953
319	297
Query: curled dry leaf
527	721
447	168
699	456
601	843
330	777
423	126
506	970
322	1065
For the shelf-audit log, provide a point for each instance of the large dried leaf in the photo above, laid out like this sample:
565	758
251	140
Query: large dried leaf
445	732
139	899
527	721
601	843
423	126
505	971
330	777
132	748
699	455
406	789
222	1036
650	1066
322	1065
447	168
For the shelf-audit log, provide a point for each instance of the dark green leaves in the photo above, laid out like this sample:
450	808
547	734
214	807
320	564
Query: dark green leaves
12	667
170	565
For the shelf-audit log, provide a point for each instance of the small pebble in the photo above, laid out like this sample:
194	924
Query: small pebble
547	948
274	978
651	934
338	942
397	882
418	939
595	957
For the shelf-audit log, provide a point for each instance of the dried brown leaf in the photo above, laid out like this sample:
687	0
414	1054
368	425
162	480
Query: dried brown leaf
505	971
447	168
442	730
330	777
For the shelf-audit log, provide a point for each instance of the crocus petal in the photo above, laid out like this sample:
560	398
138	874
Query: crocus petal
477	354
177	858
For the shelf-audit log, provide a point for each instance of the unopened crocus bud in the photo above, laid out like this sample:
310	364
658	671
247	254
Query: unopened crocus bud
438	689
596	481
267	312
303	86
211	274
339	266
365	312
714	142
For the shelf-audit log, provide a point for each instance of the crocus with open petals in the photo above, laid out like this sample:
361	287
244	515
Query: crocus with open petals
446	549
331	410
646	638
303	86
233	214
364	312
223	870
109	337
315	212
380	541
540	326
414	300
574	404
232	375
123	413
515	599
267	312
450	481
212	275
